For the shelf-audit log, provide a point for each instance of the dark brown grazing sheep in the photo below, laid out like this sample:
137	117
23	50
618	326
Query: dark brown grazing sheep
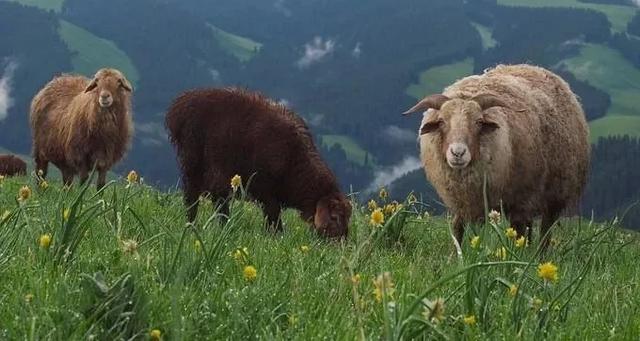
11	165
222	132
78	123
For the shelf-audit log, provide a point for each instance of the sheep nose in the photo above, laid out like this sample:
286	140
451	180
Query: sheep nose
458	150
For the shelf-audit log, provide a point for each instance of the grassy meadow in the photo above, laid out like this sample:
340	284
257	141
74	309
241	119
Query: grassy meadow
122	264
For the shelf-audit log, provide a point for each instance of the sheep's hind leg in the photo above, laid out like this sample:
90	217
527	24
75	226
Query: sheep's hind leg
548	219
67	176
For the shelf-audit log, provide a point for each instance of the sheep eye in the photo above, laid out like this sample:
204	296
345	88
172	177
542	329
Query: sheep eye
487	126
430	127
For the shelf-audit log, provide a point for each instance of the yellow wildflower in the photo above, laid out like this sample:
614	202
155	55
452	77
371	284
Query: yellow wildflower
383	194
389	209
240	254
377	217
501	253
197	246
434	310
411	199
355	279
475	242
236	181
24	193
133	177
469	320
305	248
250	273
494	217
129	246
293	320
383	286
155	334
28	298
66	213
45	240
44	184
536	303
513	290
372	205
511	233
548	271
521	242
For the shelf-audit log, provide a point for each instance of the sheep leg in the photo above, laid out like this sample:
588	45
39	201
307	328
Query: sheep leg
545	227
272	210
67	177
191	195
458	228
102	179
42	165
83	176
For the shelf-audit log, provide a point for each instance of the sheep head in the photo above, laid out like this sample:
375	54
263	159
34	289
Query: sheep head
458	125
110	86
332	216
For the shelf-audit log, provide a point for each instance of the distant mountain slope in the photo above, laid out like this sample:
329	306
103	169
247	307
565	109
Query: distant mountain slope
53	5
92	53
618	15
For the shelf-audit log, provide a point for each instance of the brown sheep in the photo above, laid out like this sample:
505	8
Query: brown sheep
79	123
11	165
520	125
222	132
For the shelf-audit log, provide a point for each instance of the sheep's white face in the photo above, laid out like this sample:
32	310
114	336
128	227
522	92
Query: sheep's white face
109	85
459	126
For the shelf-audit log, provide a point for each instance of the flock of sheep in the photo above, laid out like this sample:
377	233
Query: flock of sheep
514	138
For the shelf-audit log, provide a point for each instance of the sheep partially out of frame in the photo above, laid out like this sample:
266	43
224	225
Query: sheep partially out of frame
79	123
522	129
11	165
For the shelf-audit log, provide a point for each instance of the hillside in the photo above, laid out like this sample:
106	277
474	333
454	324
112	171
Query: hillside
76	265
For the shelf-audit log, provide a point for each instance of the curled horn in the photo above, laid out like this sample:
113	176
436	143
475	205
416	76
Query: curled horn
487	101
429	102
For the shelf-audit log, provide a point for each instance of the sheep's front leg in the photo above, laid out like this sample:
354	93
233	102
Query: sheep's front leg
458	228
102	178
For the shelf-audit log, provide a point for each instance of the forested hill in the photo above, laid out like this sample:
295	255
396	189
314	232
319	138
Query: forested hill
348	67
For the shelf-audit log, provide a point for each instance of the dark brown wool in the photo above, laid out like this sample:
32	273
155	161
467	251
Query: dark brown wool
11	165
218	133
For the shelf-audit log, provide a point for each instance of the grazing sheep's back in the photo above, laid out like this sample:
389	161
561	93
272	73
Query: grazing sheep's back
222	132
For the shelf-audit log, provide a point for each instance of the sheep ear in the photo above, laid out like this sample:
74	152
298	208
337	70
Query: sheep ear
322	217
92	85
487	101
125	84
429	102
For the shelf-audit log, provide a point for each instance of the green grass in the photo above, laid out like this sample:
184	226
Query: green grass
93	53
355	153
435	79
614	125
240	47
48	5
123	263
486	36
619	16
608	70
